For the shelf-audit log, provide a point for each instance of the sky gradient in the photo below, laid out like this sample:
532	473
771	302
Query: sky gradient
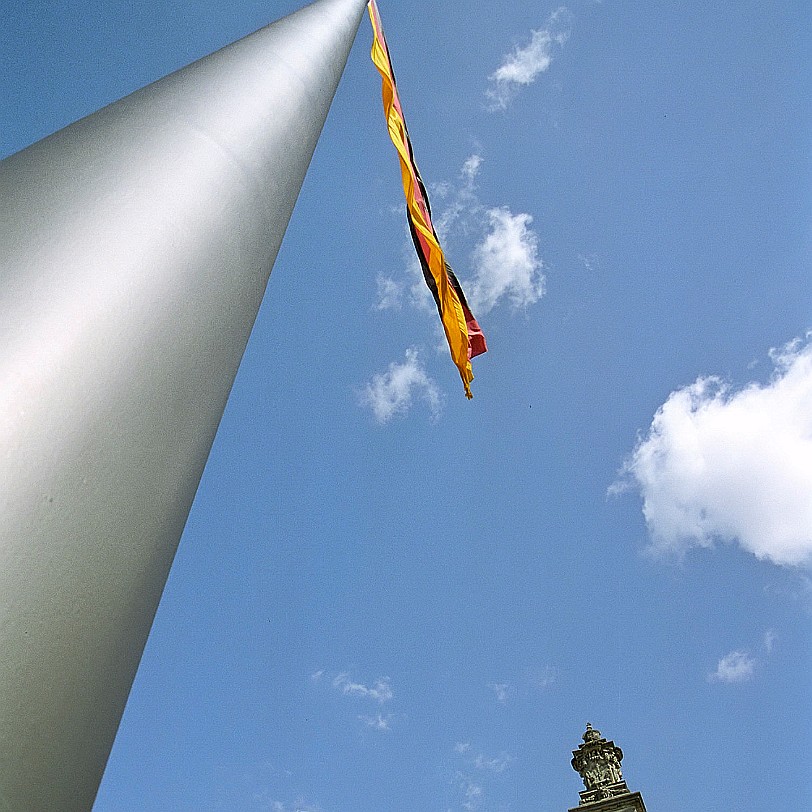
390	599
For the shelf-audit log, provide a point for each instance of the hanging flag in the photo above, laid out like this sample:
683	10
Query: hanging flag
465	338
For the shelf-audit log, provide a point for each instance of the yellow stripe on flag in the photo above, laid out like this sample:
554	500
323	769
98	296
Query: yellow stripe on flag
451	311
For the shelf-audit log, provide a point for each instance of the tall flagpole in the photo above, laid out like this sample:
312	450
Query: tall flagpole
135	246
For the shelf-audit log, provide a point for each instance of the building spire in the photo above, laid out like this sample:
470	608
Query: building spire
597	761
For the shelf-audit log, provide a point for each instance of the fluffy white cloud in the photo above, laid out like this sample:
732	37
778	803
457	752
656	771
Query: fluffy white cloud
380	690
506	264
732	465
392	392
523	66
738	666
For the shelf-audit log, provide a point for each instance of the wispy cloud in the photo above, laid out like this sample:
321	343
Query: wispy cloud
476	773
380	690
393	392
523	66
795	586
473	793
299	805
502	690
390	293
589	261
378	722
544	677
463	203
732	465
470	169
738	666
506	264
497	764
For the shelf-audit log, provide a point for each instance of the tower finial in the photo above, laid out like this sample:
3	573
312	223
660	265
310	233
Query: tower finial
591	734
597	761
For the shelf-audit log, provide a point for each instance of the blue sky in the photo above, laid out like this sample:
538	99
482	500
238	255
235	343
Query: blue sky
389	599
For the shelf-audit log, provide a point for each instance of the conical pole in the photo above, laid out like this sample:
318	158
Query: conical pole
135	246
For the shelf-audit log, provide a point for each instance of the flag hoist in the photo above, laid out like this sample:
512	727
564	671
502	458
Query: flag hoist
465	338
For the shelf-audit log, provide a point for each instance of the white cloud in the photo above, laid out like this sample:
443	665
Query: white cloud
392	392
479	770
545	677
589	261
769	640
473	796
497	764
299	805
502	690
377	722
738	666
506	264
380	690
472	792
470	169
390	293
463	206
796	588
732	465
317	675
522	67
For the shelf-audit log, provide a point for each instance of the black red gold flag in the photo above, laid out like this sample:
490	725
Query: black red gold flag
465	338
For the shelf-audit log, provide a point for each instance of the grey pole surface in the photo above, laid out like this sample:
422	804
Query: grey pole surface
135	247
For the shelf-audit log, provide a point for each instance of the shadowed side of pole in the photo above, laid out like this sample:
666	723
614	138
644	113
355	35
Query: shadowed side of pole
135	246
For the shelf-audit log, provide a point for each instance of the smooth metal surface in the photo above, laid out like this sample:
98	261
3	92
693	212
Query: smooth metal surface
135	246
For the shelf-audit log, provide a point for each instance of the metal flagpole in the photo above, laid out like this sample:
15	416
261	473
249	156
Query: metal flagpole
135	246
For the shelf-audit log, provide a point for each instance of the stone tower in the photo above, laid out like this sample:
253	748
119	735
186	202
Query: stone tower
597	761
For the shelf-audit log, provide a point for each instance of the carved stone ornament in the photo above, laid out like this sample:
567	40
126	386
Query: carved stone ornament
597	761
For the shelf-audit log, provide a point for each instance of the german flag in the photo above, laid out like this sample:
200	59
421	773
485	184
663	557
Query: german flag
465	338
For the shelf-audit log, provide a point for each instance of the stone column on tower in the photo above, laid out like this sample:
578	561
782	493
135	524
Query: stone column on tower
597	761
